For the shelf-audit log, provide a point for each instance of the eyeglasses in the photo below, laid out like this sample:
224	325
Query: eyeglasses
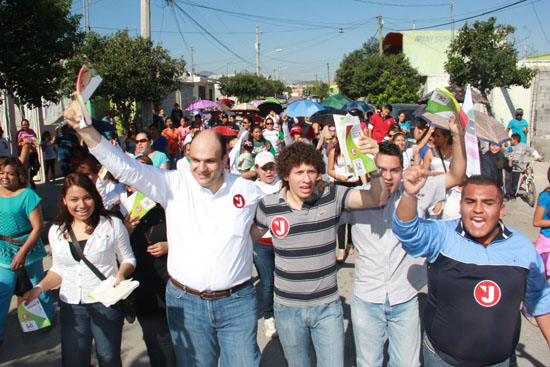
141	141
269	123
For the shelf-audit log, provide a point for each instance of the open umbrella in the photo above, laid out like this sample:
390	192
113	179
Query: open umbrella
489	129
244	107
267	107
224	130
256	102
358	105
219	107
435	120
303	108
272	99
227	101
325	117
458	93
336	101
199	105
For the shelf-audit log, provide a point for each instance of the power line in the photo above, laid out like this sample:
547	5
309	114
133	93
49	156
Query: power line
208	32
401	5
540	24
467	18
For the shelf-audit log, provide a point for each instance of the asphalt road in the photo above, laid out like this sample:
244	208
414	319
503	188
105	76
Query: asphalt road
35	350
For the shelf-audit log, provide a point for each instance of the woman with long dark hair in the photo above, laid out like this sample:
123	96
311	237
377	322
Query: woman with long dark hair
258	141
104	241
20	230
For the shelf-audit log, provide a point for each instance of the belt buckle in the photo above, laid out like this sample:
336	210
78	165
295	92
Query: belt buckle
208	295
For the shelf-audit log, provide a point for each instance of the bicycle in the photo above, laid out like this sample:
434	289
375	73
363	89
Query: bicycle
526	185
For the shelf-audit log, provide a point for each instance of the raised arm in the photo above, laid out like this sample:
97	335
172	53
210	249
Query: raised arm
151	181
457	172
376	197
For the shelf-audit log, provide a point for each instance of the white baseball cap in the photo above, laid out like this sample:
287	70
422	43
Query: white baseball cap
264	158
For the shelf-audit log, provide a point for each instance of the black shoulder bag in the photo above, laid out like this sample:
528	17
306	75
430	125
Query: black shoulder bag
130	308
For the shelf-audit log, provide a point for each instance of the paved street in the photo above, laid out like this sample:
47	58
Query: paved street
44	350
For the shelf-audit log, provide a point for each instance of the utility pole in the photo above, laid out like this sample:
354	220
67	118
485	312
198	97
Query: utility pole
146	19
257	50
147	107
192	60
328	74
380	49
452	21
227	69
84	15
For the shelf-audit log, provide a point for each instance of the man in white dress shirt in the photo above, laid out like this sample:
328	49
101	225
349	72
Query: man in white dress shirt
211	303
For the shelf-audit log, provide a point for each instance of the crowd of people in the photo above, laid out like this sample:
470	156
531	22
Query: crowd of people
276	193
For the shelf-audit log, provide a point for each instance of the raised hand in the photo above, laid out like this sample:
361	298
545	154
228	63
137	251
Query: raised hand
414	179
73	116
367	145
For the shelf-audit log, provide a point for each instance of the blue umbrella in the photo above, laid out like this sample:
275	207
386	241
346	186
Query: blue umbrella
357	105
303	109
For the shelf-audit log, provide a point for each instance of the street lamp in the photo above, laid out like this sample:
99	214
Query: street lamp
258	57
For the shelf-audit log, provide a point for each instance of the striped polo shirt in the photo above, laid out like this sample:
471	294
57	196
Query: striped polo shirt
304	242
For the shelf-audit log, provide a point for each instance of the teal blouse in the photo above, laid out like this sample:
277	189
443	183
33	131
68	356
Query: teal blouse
14	219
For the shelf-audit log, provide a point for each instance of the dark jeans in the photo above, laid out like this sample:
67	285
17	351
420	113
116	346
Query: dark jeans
80	323
34	164
264	260
49	167
156	335
512	181
65	166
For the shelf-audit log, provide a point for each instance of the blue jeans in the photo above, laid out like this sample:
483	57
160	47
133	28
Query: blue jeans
205	330
432	359
322	325
264	260
80	323
7	285
371	321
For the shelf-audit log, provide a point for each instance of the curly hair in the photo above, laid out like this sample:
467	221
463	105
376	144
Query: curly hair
294	156
19	170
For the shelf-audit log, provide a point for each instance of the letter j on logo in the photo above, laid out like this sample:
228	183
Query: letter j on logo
280	227
487	293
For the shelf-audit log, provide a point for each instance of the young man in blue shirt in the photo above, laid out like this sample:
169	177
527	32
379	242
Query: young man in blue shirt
519	126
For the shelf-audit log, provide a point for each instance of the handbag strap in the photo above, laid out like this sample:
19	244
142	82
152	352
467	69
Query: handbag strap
77	250
442	160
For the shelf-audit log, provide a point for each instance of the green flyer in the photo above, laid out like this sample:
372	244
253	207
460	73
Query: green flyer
32	316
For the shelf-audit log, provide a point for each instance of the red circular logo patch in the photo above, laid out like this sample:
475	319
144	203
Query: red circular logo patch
280	227
487	293
238	201
353	151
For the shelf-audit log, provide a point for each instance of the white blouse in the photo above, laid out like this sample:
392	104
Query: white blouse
108	243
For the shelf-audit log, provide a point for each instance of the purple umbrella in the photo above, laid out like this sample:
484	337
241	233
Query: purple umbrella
199	105
256	102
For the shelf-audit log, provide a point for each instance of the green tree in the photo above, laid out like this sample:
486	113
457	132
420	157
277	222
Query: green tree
481	55
382	79
36	37
133	69
318	88
248	86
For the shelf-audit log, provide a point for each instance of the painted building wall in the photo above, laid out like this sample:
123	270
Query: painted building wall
426	50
